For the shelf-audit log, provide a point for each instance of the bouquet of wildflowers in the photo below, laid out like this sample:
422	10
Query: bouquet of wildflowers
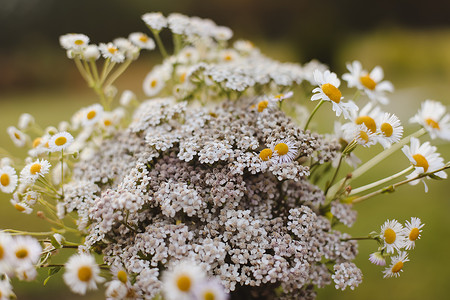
214	187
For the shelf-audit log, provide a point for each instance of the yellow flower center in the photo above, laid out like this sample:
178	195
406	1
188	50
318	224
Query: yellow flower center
37	142
368	121
112	50
16	135
364	136
2	252
432	123
281	148
85	273
421	161
228	57
91	114
143	38
262	105
153	83
184	283
183	77
368	82
397	267
4	179
22	253
107	122
209	295
414	234
19	207
389	235
332	92
60	141
122	276
387	129
279	96
78	42
35	168
265	154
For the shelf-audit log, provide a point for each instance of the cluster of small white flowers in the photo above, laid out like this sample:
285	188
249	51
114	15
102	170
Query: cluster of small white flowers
346	275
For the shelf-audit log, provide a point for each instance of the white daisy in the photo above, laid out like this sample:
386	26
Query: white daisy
284	151
25	121
367	116
39	146
363	136
155	81
26	273
425	159
127	98
433	117
60	141
91	52
91	115
228	55
178	283
31	172
377	259
127	48
21	206
82	273
371	83
8	179
25	251
74	41
397	263
281	97
142	40
390	130
31	197
18	137
393	236
210	290
266	154
412	231
222	33
112	52
155	20
329	90
6	291
116	289
5	253
188	55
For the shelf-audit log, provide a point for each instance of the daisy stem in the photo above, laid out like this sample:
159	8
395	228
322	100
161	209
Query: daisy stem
82	71
103	75
176	43
359	238
335	173
62	173
381	181
378	158
94	70
391	188
20	232
118	72
88	71
313	113
161	47
356	95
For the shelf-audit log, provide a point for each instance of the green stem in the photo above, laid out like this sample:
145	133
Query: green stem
118	72
94	70
160	44
335	173
313	113
20	232
381	181
378	158
82	71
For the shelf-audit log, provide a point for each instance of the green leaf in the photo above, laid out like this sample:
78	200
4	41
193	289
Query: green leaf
51	272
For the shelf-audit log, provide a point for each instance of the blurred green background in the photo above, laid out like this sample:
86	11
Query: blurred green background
409	39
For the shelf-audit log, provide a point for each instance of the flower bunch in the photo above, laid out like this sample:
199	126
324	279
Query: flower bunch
208	189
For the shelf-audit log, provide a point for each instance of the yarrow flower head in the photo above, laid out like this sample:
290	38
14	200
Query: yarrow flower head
412	231
393	236
371	83
82	273
433	117
425	159
397	263
329	90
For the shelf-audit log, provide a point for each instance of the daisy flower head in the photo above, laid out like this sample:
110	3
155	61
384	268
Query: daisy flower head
433	117
21	206
32	171
390	131
412	231
393	236
179	283
425	159
25	121
6	291
329	90
112	52
397	263
377	259
155	20
5	253
127	98
371	83
120	274
60	141
155	81
281	97
82	273
142	40
266	154
74	41
39	146
363	135
115	289
25	251
91	52
285	151
222	33
91	115
210	290
8	179
18	137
